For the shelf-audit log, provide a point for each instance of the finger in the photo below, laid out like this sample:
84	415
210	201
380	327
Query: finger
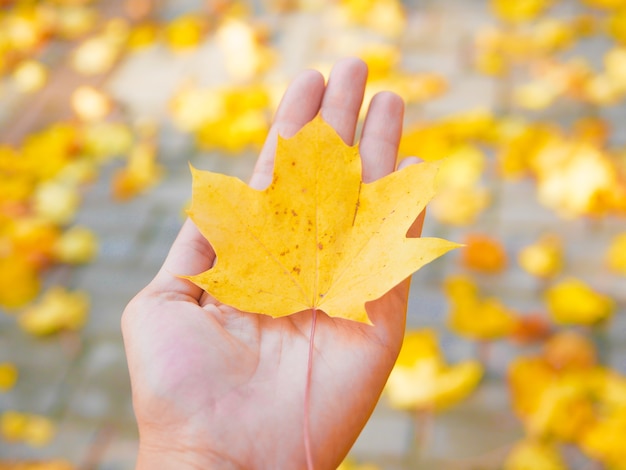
344	96
299	105
190	254
381	136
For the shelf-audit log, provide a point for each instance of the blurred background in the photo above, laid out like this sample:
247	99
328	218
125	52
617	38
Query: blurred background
515	353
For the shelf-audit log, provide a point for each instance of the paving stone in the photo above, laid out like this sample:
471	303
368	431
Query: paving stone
128	84
383	436
471	93
98	390
120	454
42	365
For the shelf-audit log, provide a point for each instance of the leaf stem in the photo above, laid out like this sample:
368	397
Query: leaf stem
307	395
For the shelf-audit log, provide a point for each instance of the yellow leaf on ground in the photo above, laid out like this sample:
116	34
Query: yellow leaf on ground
421	379
8	376
36	465
604	440
34	430
350	464
77	245
534	454
317	237
544	258
484	254
476	317
520	10
615	255
185	32
19	281
604	4
568	350
30	76
57	310
572	302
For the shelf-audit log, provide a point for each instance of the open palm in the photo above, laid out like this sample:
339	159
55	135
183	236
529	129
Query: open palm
217	388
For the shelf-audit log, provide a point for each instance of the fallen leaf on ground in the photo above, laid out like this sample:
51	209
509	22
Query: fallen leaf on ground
544	258
532	453
8	376
573	302
422	380
58	309
34	430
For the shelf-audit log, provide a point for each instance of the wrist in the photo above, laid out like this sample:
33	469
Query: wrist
170	454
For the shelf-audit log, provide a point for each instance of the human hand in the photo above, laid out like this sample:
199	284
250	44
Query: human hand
217	388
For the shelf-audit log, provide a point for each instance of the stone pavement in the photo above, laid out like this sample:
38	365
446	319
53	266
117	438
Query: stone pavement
81	380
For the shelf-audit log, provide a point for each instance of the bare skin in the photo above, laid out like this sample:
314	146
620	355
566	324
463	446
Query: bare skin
215	388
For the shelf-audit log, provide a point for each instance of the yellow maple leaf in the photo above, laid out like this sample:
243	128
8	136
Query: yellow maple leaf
317	237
